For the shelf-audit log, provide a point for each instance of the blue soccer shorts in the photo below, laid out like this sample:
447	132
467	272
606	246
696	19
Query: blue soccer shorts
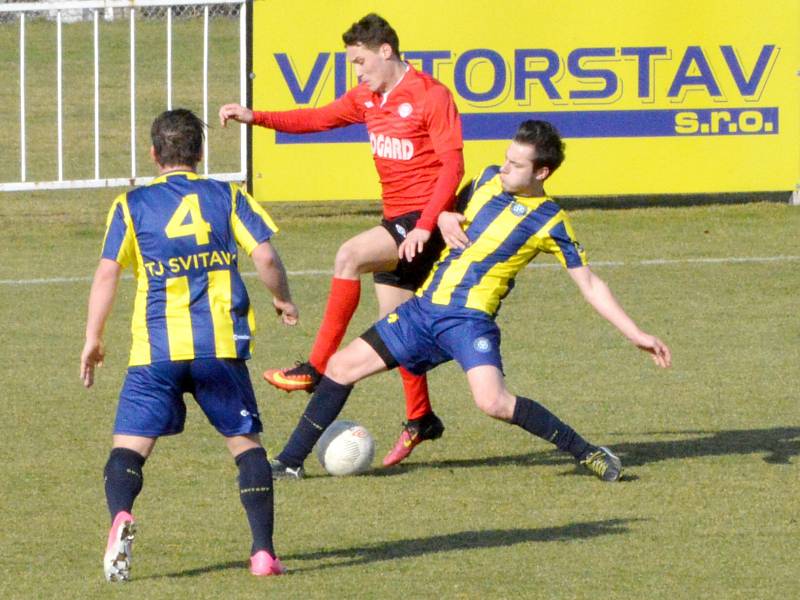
420	335
151	401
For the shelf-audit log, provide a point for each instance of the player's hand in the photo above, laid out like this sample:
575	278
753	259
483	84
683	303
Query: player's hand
237	112
413	244
92	356
452	233
287	311
658	349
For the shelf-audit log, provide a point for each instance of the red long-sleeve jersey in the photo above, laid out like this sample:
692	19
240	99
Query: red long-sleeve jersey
415	136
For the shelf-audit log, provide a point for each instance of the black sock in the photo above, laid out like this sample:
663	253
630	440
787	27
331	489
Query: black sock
322	410
123	479
536	419
255	492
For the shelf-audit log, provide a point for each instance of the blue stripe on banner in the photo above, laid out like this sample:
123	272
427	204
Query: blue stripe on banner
588	124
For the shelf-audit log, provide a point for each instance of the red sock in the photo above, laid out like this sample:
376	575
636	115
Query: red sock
342	303
418	404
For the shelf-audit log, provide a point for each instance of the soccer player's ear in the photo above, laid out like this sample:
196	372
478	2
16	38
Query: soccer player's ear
153	154
542	173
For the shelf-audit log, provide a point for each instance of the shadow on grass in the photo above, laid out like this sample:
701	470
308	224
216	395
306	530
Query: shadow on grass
779	445
412	547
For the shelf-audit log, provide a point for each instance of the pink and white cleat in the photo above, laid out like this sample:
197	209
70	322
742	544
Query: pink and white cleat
117	559
262	564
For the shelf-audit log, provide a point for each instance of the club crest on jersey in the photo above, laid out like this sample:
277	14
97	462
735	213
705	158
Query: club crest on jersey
400	229
405	109
386	146
518	209
482	345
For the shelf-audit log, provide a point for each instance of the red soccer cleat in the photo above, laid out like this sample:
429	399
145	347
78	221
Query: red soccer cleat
428	427
408	440
301	378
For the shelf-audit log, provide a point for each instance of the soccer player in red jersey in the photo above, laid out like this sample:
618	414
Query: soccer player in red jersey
415	135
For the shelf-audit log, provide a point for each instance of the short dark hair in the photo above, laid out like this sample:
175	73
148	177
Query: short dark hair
547	141
372	31
177	137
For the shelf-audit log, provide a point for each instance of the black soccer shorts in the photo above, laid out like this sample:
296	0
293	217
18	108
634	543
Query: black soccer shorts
410	275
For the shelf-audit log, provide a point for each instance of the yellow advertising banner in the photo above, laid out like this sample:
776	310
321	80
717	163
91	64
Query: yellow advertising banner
659	97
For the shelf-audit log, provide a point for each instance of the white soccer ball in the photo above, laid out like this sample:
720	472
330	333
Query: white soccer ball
346	448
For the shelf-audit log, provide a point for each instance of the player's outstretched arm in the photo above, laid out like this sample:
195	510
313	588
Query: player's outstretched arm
597	293
236	112
101	299
273	274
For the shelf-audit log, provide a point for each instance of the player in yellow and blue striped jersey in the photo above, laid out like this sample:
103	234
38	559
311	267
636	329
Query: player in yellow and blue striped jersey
192	327
507	220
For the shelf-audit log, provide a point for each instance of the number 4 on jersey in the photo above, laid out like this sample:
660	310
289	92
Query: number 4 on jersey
196	226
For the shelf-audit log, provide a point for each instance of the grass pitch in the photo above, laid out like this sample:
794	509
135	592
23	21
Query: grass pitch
708	505
706	509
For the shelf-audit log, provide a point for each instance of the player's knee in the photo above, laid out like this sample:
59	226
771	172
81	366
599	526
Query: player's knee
341	369
347	261
496	404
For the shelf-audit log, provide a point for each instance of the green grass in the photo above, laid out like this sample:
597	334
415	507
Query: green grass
711	447
708	506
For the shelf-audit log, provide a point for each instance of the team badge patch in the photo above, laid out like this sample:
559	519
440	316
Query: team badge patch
518	209
400	229
482	345
405	109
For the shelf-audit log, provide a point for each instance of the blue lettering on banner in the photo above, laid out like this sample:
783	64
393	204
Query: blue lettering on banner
747	87
609	77
427	58
596	77
694	56
544	67
462	74
643	55
302	94
588	124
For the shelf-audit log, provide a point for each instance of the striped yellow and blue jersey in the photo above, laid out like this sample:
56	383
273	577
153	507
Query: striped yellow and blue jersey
506	232
180	236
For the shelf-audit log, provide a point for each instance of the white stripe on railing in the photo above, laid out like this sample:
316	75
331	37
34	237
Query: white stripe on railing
96	94
207	152
133	92
59	83
169	58
73	184
243	76
22	134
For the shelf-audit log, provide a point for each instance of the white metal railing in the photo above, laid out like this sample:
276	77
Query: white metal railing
131	6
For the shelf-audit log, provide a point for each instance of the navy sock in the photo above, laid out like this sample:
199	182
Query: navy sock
255	492
322	410
123	479
536	419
